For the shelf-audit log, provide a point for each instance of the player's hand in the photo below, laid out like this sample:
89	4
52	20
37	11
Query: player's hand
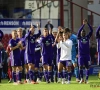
84	21
41	59
77	56
50	31
75	65
53	45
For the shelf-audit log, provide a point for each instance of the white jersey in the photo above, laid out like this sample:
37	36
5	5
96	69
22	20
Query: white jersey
66	48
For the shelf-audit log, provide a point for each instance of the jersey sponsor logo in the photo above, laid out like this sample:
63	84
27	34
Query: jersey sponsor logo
84	41
32	41
47	43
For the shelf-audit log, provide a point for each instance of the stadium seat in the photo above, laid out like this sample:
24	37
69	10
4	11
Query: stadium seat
6	36
10	36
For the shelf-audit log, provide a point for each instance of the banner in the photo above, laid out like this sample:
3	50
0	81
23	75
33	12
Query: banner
15	23
93	70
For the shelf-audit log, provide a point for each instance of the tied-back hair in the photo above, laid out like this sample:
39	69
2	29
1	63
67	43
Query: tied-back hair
14	30
67	30
60	34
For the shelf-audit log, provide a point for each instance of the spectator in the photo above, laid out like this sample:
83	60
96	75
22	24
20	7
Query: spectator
49	26
24	31
93	53
4	60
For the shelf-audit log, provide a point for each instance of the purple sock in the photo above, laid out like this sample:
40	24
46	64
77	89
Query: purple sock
87	74
14	76
27	75
37	74
49	74
65	73
19	76
31	73
81	73
60	75
69	76
40	75
46	75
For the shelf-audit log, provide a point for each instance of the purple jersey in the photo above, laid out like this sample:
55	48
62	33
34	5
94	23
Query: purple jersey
0	56
38	50
83	42
46	43
22	52
30	42
15	54
98	43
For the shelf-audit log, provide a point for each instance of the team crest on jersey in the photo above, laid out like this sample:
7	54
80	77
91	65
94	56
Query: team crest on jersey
47	43
84	41
32	41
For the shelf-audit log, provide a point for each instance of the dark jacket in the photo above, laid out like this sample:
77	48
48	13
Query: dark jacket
51	26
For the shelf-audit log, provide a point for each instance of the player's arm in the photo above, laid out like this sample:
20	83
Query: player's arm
79	31
27	35
39	31
91	30
58	45
21	45
57	36
97	32
13	47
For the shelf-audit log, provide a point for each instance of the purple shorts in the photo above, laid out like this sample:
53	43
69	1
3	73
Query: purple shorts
84	60
37	61
66	63
29	58
47	60
16	62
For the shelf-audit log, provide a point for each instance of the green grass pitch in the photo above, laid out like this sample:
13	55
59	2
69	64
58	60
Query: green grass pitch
94	84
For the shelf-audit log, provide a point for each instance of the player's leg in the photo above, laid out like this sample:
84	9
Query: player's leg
0	74
31	66
69	73
37	72
81	63
76	70
19	74
40	71
60	73
26	73
65	73
87	65
45	67
14	74
50	69
55	70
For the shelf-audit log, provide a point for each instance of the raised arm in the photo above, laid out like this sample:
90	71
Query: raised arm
39	32
91	30
27	35
79	31
97	32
